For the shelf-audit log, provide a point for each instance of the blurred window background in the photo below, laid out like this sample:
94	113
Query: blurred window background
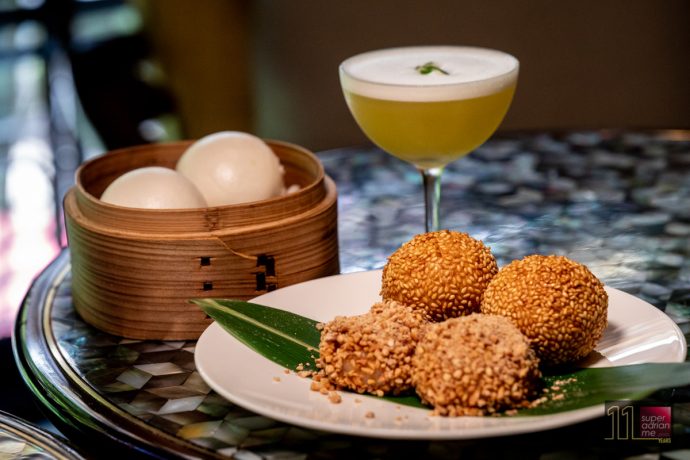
60	59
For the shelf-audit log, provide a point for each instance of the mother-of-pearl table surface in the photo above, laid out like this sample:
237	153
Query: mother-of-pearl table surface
618	202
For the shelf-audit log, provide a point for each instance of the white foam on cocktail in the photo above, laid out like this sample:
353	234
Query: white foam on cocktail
392	74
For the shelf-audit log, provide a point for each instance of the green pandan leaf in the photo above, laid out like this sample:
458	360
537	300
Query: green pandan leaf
281	336
289	340
586	387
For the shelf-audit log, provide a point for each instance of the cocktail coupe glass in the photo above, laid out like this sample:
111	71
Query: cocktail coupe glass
429	105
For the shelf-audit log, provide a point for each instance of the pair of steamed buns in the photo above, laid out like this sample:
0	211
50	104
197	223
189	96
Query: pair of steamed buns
223	168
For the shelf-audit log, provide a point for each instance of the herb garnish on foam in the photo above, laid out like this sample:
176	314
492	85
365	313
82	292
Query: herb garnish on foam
429	67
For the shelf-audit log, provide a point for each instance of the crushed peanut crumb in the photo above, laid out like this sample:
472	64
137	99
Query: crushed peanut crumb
371	353
475	365
489	331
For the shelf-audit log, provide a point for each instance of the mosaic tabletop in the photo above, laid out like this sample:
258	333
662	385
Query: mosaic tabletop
22	440
618	202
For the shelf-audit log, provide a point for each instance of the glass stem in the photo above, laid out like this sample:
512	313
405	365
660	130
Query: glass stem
431	178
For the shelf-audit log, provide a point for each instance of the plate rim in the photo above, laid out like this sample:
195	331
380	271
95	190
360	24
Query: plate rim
532	423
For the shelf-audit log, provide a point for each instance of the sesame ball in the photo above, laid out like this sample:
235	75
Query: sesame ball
444	274
556	302
475	365
371	353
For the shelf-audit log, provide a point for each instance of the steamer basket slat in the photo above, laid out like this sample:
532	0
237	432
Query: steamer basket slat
134	270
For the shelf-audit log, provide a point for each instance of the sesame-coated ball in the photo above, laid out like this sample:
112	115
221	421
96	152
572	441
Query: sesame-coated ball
444	274
475	365
556	302
371	353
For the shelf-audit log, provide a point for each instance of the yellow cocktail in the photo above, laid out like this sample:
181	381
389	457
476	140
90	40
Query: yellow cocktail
434	133
429	105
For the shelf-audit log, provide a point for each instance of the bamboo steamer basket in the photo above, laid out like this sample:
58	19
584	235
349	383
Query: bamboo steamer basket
134	270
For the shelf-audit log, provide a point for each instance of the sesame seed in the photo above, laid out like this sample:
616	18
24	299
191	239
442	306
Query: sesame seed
556	302
465	336
443	274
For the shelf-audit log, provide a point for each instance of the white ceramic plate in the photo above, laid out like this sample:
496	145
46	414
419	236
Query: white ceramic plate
637	333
